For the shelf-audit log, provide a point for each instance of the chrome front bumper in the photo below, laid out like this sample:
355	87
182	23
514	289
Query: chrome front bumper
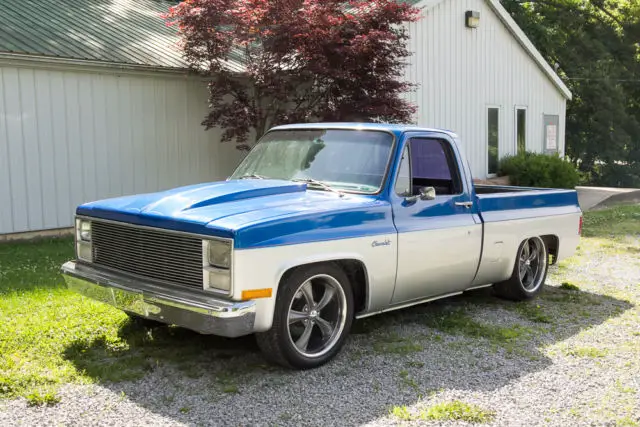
192	310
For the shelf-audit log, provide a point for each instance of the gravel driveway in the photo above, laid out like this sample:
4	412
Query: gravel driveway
570	358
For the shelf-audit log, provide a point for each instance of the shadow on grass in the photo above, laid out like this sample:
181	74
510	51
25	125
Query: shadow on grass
141	348
471	342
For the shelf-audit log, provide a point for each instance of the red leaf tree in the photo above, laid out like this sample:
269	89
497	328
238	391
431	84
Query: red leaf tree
274	62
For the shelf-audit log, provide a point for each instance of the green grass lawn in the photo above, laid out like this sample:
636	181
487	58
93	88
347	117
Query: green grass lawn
614	223
50	336
39	318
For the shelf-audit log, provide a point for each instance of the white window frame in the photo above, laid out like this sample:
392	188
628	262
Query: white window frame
486	136
515	127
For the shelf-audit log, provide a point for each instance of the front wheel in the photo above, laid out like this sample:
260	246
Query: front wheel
313	316
529	272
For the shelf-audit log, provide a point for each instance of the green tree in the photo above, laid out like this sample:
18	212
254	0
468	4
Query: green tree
594	45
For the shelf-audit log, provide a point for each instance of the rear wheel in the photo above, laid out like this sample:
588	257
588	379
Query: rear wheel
313	316
529	272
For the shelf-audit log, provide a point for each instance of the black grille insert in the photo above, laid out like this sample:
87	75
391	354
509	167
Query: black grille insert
158	255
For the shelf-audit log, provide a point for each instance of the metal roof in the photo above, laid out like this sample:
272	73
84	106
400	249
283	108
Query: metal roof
115	31
127	32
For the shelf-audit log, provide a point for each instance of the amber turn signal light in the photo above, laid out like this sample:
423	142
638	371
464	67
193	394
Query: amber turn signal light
256	293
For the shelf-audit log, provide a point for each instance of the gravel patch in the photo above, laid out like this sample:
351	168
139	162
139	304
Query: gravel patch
582	367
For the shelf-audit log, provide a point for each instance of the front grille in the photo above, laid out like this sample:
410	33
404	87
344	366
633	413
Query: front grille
148	253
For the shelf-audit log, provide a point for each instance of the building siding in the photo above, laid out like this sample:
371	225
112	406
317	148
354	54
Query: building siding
69	137
462	71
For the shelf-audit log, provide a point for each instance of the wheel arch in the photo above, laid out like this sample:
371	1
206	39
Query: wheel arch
353	266
552	242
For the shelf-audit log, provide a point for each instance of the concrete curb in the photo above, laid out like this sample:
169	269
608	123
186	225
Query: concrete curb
632	197
591	198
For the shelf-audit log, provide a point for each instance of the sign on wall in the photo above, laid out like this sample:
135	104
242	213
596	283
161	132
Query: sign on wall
551	133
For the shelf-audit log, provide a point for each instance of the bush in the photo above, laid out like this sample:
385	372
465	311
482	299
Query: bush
617	175
539	170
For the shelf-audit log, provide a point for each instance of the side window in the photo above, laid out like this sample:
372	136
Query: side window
403	181
433	164
521	130
493	126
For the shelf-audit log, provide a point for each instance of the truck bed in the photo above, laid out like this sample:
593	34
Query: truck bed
512	214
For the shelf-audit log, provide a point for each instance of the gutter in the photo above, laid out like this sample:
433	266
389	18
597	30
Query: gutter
66	64
49	62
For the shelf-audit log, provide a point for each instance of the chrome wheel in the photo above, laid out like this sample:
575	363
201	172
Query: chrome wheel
317	315
532	264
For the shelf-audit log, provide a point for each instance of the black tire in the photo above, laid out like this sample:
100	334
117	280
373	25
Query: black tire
277	344
515	288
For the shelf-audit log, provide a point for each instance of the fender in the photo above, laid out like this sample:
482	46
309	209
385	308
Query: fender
325	257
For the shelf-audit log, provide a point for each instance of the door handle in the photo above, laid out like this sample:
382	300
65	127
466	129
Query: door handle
465	204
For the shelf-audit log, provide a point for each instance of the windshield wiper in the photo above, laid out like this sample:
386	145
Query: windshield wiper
320	184
252	176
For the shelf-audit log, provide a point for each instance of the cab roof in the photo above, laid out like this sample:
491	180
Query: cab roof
396	129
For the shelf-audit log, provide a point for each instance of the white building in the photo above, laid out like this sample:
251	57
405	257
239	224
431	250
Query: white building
95	101
488	84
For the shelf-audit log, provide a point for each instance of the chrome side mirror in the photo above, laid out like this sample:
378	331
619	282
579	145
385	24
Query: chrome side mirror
426	193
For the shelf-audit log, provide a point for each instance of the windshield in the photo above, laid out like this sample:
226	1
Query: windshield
353	160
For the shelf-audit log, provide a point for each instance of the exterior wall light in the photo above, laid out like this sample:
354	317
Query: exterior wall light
472	19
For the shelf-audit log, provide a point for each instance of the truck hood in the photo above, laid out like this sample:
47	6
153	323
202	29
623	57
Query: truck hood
242	209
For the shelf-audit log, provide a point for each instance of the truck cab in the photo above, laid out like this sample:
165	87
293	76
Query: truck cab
319	225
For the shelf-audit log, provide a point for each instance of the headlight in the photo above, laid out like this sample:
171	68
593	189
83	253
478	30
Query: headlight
219	254
218	279
84	231
84	250
217	265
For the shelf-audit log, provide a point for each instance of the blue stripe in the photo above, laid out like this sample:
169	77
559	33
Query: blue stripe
317	228
527	200
518	214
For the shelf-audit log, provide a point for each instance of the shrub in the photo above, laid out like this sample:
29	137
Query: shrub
617	175
539	170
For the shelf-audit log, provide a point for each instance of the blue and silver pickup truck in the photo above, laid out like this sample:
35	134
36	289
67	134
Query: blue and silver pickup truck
319	225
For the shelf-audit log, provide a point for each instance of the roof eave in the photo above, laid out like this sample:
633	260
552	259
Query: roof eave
43	60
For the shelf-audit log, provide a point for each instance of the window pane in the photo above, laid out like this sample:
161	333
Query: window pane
522	130
428	159
403	182
493	140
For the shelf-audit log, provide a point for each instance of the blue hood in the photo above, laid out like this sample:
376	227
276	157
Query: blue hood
254	212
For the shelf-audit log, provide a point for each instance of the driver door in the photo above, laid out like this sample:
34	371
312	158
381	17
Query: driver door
439	240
